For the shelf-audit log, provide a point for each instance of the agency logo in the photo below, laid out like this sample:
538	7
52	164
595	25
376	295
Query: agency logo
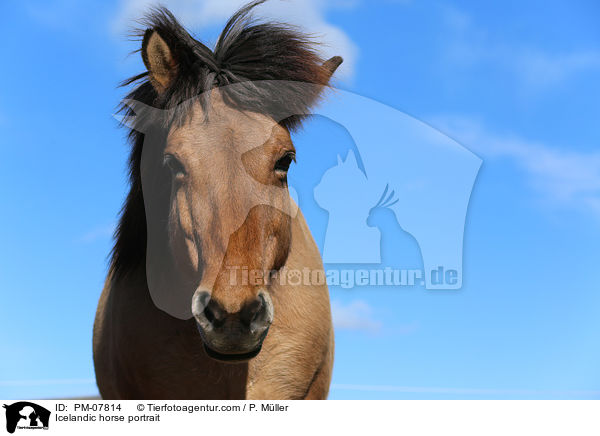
24	415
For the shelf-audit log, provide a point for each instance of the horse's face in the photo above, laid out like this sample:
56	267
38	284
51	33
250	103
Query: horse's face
229	221
228	212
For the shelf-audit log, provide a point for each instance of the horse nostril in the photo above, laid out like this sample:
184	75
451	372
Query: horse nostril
252	310
214	314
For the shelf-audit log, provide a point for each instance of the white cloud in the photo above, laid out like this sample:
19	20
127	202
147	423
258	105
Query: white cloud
545	69
568	177
470	45
356	315
308	14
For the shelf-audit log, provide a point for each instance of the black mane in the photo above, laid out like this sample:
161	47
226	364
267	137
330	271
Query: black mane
247	52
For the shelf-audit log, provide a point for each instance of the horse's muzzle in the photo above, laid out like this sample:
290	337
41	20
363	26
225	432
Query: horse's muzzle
232	337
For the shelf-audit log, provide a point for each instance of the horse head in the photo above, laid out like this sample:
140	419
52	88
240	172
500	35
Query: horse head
213	172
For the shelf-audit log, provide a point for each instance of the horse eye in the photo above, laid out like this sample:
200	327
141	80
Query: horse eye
283	164
174	165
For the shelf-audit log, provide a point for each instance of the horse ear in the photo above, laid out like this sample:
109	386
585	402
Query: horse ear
159	60
331	65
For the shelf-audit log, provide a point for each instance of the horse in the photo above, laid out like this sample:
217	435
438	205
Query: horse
209	206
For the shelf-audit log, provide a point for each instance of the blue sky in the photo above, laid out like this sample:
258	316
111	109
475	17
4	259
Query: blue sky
515	83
